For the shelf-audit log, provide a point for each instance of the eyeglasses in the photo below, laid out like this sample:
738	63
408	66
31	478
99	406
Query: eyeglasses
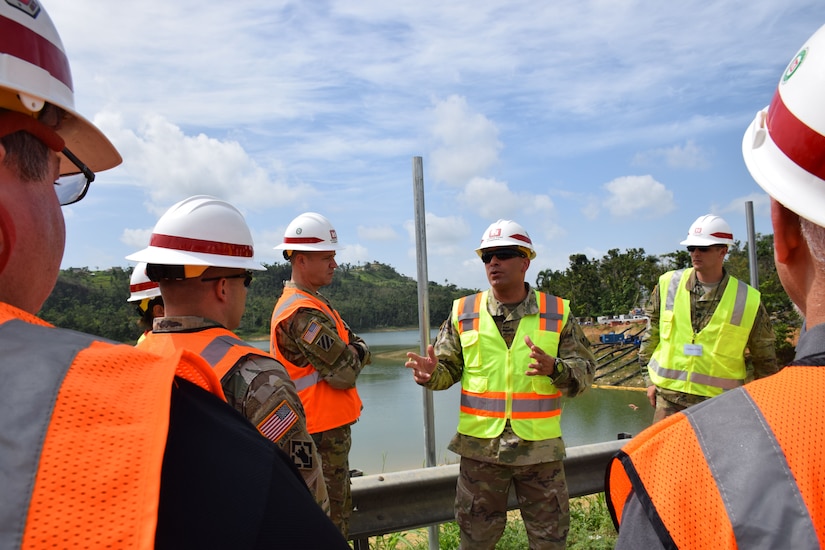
73	187
247	278
503	254
702	249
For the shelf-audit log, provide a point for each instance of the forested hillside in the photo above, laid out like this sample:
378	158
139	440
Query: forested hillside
370	297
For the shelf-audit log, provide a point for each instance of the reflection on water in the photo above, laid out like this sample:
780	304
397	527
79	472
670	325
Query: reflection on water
390	434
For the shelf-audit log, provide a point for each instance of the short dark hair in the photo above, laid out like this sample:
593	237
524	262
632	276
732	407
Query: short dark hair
26	156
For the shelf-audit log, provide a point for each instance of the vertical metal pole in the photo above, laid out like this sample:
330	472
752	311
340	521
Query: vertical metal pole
754	267
424	318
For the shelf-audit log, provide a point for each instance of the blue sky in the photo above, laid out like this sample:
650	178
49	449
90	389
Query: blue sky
595	124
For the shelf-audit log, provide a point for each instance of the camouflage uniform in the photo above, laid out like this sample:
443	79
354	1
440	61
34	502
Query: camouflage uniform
488	466
703	303
256	386
339	367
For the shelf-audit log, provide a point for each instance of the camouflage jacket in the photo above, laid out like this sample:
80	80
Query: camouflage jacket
257	386
337	364
577	375
761	342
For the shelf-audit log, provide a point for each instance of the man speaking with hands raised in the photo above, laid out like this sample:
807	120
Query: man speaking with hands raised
516	352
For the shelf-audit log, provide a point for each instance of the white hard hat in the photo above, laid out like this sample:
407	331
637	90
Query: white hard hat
34	72
504	233
310	232
140	286
784	147
709	230
200	231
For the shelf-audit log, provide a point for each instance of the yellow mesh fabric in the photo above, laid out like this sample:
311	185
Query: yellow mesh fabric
800	431
99	477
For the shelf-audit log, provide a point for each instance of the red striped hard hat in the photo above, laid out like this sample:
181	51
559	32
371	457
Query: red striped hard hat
784	147
709	230
506	233
310	232
35	73
200	231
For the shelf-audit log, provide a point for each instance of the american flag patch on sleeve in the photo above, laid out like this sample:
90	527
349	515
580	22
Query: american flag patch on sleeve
278	422
311	333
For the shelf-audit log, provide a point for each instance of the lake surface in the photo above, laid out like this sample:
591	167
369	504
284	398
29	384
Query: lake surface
389	436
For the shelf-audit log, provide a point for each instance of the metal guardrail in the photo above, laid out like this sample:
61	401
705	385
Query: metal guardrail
400	501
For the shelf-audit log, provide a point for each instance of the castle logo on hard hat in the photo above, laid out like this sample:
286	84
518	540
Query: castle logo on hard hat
794	65
29	7
494	233
333	236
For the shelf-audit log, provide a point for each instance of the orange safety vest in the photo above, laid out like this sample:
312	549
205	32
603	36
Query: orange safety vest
83	435
326	407
745	469
219	346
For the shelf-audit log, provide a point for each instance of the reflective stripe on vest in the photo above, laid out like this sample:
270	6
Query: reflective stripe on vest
83	436
220	347
325	407
738	471
494	387
723	340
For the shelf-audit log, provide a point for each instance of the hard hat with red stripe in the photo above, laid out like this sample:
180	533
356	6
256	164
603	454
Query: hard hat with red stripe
506	233
200	231
35	78
784	146
309	232
709	230
140	287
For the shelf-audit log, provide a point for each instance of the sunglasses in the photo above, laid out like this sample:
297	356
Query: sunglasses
702	249
247	278
502	255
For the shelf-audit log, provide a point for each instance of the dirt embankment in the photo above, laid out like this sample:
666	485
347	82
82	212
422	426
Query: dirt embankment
617	359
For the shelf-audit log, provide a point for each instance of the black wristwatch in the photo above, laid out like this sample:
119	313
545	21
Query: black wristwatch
558	367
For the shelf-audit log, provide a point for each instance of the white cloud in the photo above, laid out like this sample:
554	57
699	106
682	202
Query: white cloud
136	239
493	200
171	165
377	233
643	196
689	156
467	142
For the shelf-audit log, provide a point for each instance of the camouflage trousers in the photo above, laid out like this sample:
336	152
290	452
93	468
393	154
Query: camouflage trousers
481	503
667	407
333	446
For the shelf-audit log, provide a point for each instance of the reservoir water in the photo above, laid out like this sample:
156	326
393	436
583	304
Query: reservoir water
389	436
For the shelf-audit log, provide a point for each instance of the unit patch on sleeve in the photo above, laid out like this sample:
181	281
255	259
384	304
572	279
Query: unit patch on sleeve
301	454
311	333
278	422
325	342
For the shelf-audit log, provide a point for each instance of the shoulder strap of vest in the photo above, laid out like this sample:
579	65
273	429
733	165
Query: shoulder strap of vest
551	312
643	497
468	308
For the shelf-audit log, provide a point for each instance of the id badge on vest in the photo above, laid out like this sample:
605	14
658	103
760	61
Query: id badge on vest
694	350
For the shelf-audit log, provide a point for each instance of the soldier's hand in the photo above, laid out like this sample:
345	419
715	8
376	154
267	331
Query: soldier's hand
651	395
423	367
543	364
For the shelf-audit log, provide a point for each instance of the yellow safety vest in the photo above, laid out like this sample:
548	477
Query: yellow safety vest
711	361
494	386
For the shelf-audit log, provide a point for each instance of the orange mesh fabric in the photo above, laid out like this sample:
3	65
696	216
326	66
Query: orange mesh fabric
98	481
800	433
673	469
